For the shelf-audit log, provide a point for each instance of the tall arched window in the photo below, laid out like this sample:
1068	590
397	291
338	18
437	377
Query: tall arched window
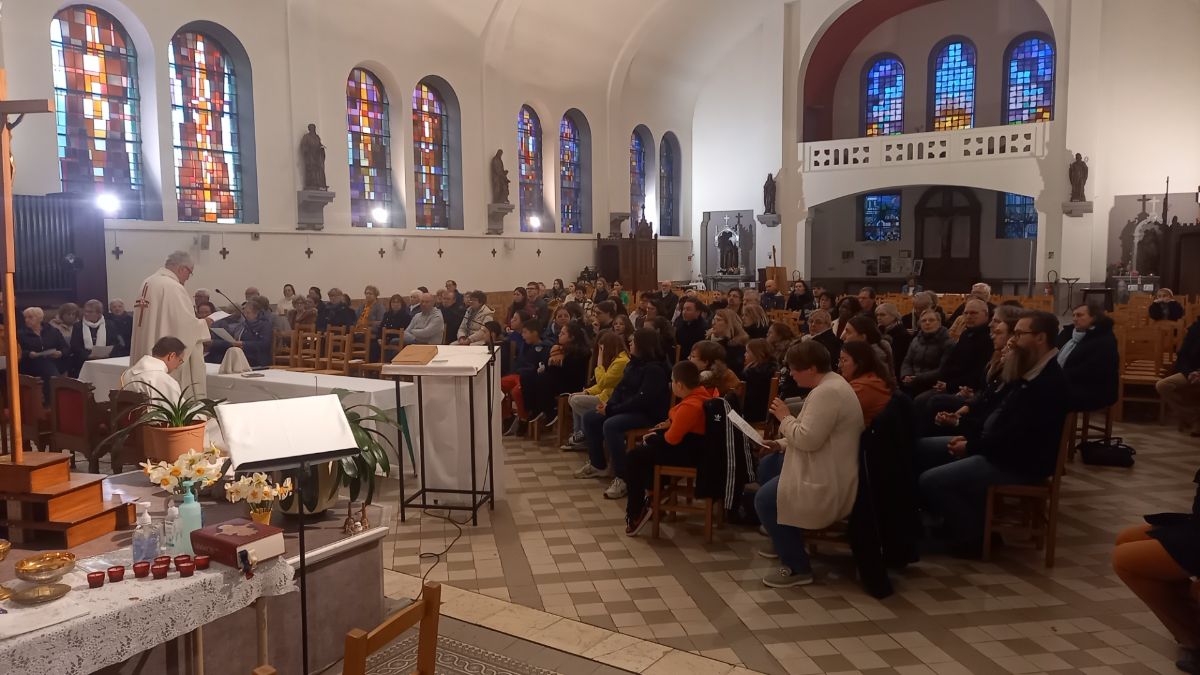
883	97
368	135
668	182
953	105
529	158
637	176
96	101
570	176
431	157
204	118
1029	81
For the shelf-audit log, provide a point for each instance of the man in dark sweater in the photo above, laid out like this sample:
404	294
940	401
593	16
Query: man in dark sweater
453	311
771	299
1181	391
666	299
1017	444
966	366
980	291
690	326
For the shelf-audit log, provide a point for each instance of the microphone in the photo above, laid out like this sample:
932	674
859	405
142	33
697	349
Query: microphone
236	307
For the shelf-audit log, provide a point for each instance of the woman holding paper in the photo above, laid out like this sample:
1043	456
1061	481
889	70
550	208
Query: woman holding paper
42	348
94	337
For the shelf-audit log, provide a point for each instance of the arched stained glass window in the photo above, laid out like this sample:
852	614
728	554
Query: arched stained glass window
569	176
954	86
369	139
637	177
1018	217
1030	82
431	157
883	97
668	215
880	217
96	101
204	126
529	159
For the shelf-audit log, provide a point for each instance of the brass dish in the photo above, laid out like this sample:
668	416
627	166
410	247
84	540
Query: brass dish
37	595
5	547
5	592
46	567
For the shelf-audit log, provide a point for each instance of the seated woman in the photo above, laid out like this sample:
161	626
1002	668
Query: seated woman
755	321
1088	354
641	399
868	376
622	325
558	321
727	330
42	349
761	369
1165	307
677	442
303	315
520	303
891	326
666	337
709	357
514	341
473	329
779	337
927	354
847	308
66	319
253	334
611	358
861	328
92	332
1158	562
565	372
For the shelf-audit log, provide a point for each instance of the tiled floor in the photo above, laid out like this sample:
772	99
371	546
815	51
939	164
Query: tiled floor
555	544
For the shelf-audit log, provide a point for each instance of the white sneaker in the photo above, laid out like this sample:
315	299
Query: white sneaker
616	490
589	471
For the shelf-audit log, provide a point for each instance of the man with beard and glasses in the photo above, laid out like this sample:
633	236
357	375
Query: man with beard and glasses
1017	443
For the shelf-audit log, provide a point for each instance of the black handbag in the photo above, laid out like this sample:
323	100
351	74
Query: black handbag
1107	452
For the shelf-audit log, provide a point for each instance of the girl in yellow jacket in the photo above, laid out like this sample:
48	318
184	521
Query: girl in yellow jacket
611	359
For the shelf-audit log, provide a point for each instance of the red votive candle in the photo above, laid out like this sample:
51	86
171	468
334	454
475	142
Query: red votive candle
160	570
141	570
185	567
201	562
116	573
95	579
182	559
163	560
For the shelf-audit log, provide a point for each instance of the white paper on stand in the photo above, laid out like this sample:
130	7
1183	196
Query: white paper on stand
264	434
100	352
218	315
744	426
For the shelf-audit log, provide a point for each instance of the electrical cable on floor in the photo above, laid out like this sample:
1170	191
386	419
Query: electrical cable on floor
438	556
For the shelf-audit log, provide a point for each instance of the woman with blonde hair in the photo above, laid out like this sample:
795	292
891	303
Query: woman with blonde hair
727	329
611	358
755	321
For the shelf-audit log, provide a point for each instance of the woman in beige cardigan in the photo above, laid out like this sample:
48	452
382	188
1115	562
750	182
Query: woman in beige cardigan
809	479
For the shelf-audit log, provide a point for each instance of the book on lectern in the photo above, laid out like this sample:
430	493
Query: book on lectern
285	433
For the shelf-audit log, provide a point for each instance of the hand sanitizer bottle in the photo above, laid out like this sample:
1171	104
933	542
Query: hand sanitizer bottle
170	538
145	535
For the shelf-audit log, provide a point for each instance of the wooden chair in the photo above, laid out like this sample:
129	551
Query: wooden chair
1141	366
426	611
264	670
310	352
125	406
1030	510
35	417
77	422
282	352
337	356
681	482
566	422
336	330
391	342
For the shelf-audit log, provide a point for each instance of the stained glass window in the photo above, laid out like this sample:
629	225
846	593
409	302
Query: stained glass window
884	98
954	87
369	145
637	177
1030	82
208	181
96	101
668	223
431	157
529	159
1018	217
881	217
570	181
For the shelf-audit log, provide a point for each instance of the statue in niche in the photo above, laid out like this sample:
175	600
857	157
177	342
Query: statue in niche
312	155
499	179
1148	252
727	244
1077	173
769	195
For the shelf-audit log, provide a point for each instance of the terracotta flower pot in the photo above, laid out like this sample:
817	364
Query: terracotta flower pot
168	444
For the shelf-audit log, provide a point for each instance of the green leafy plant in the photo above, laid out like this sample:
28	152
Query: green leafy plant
161	411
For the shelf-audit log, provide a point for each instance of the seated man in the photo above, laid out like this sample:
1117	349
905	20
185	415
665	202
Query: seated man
529	363
771	298
964	367
979	291
665	299
1088	354
677	442
339	312
151	375
690	327
810	478
426	327
1181	391
1017	443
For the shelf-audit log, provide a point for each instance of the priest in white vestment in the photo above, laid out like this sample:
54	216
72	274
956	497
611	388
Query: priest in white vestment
151	374
165	308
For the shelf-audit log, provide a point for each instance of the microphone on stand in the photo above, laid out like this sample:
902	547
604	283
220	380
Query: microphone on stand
236	307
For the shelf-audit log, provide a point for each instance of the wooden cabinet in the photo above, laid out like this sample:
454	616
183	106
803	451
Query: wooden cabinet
632	260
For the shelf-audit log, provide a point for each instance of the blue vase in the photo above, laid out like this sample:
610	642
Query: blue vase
190	519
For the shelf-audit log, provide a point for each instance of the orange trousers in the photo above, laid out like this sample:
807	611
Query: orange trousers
511	385
1154	576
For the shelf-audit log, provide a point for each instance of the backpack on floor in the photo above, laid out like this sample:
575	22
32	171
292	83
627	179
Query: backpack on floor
1107	452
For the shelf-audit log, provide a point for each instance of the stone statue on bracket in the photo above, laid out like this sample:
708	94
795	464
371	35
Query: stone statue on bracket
769	195
1077	173
312	155
499	179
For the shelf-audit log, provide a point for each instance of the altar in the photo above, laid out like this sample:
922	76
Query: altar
727	251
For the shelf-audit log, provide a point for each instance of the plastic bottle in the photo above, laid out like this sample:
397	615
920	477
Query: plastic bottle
146	537
170	535
189	521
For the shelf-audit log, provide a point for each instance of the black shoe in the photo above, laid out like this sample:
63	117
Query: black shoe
1189	661
517	428
635	525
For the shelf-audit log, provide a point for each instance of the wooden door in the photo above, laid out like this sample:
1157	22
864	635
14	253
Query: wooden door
947	221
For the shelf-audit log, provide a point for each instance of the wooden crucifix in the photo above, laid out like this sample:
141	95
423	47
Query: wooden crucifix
11	113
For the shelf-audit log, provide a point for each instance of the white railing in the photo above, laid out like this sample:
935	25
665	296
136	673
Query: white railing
960	145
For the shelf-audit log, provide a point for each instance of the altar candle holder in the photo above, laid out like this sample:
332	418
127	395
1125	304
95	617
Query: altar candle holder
141	570
163	560
183	558
201	562
185	567
160	570
116	573
95	579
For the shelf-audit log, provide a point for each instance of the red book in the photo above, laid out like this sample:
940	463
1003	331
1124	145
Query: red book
225	542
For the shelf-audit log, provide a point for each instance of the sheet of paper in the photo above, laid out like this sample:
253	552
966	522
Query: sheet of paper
744	426
223	334
100	352
218	315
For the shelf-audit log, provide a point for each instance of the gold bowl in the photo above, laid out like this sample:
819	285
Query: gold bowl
46	567
5	547
38	595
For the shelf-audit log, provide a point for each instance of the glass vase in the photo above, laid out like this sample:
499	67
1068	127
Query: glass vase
262	514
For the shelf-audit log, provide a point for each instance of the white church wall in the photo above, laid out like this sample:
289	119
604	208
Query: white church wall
737	125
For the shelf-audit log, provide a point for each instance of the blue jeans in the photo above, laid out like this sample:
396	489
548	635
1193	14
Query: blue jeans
788	540
931	452
958	491
601	432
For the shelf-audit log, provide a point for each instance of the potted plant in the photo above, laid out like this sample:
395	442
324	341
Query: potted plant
320	485
169	428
